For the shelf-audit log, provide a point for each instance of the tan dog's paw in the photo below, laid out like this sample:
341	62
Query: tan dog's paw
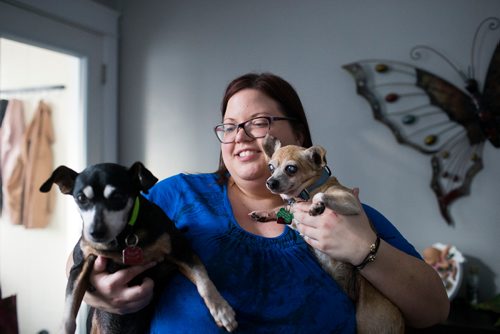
317	208
261	216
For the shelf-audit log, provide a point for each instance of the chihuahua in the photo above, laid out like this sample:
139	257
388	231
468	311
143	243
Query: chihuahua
299	174
123	226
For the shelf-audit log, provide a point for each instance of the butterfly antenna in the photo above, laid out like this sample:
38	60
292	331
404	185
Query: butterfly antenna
493	24
416	54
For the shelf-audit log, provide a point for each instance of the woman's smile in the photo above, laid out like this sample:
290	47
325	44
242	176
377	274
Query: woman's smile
247	154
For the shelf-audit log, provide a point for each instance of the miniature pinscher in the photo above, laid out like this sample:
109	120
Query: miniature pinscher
123	226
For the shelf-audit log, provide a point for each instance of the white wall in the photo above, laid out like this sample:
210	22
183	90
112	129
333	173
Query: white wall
178	56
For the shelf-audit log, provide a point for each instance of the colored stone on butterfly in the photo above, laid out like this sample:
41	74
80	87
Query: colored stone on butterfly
445	154
409	119
284	216
391	97
430	140
381	68
475	157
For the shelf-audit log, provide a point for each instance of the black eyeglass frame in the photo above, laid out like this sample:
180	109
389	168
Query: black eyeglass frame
241	125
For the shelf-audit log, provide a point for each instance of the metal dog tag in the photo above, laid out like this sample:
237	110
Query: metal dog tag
132	255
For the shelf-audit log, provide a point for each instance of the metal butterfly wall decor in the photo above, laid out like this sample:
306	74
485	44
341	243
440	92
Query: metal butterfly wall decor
452	124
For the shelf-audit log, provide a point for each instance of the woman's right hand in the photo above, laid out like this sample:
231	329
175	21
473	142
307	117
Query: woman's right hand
112	293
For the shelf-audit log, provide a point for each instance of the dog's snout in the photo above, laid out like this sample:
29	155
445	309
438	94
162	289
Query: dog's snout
97	232
272	184
97	229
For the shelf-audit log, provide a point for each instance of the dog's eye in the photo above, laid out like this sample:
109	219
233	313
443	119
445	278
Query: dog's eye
82	199
271	168
291	169
118	198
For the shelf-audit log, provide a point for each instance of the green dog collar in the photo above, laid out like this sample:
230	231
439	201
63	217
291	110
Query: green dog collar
135	212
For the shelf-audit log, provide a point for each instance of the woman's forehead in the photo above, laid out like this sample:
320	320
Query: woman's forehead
250	103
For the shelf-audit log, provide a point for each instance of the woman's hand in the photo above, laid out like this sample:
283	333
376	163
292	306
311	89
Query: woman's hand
344	238
112	293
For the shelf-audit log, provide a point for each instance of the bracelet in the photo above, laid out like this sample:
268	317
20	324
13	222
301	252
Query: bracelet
371	255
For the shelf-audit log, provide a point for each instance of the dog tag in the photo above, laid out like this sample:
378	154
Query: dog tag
284	216
132	255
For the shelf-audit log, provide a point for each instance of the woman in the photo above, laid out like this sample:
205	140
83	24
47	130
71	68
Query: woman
265	271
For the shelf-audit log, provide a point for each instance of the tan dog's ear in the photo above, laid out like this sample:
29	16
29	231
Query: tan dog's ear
270	145
317	155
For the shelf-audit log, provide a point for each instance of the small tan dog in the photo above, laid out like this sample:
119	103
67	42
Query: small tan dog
299	174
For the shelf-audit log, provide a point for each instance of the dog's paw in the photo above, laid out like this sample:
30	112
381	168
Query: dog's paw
317	208
225	316
259	216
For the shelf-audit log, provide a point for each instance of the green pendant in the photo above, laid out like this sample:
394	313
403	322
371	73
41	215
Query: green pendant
284	216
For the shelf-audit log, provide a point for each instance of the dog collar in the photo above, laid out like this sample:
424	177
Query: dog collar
135	212
325	175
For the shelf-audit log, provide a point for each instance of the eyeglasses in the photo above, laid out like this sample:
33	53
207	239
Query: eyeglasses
257	127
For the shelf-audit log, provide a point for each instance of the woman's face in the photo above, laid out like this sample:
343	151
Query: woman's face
244	158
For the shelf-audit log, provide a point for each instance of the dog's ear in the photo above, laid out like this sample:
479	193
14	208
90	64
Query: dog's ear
64	177
270	145
143	178
317	155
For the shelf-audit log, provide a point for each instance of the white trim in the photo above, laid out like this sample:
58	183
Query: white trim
88	14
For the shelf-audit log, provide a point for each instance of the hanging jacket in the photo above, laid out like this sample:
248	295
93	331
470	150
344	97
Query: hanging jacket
11	137
3	109
34	166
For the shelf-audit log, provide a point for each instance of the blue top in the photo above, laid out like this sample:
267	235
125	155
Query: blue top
275	285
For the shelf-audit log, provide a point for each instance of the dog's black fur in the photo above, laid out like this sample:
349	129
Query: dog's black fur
109	190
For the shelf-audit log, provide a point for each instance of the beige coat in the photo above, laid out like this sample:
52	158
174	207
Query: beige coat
11	139
33	168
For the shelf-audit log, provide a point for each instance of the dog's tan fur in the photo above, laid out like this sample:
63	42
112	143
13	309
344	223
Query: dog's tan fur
374	312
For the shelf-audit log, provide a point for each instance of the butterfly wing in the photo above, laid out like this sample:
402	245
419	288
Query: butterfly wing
491	99
430	115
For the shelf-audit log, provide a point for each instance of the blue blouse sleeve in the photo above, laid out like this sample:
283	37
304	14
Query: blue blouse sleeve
165	194
388	232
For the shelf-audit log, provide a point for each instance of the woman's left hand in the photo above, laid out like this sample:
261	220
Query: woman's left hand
344	238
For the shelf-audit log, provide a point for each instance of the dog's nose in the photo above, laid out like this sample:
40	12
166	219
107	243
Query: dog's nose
97	232
272	184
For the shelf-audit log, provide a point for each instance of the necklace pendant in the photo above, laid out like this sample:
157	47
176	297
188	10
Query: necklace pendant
284	216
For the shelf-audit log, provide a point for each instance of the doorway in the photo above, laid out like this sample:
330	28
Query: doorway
65	57
28	75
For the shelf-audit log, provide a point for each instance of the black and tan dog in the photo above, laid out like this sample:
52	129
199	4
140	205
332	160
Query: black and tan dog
299	174
123	226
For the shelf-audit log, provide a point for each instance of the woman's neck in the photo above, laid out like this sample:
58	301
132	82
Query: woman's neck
245	198
253	191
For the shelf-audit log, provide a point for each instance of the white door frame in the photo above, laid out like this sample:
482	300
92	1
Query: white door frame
86	30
